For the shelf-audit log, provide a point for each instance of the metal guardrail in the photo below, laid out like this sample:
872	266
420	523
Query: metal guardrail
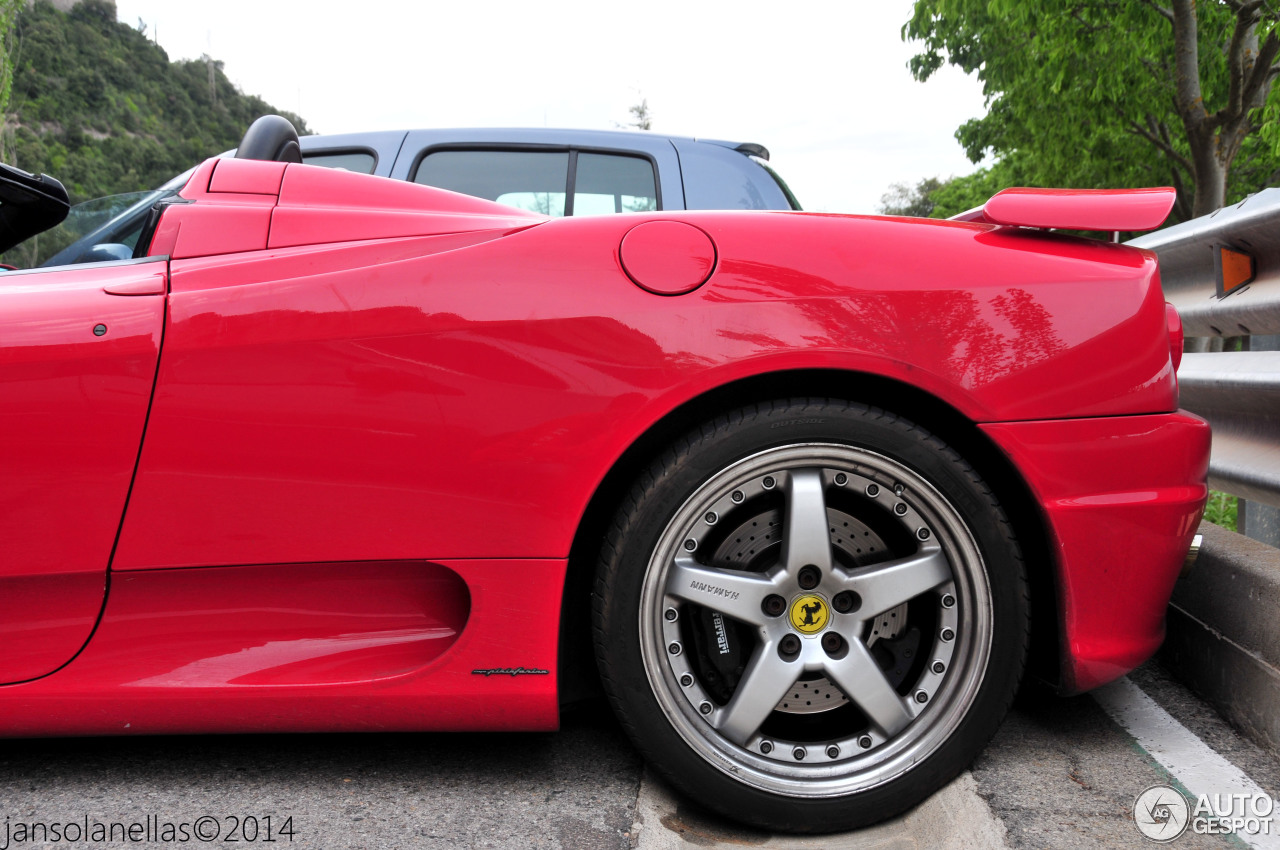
1237	391
1189	275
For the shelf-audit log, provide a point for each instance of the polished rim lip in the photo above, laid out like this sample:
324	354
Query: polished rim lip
924	735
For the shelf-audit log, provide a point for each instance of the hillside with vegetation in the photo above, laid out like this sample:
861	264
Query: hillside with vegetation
98	105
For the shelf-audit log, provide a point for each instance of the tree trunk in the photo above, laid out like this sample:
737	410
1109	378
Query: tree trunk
1210	188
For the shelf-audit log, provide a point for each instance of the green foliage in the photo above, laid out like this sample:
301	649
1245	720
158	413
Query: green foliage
1082	93
8	14
642	115
916	200
1221	509
100	107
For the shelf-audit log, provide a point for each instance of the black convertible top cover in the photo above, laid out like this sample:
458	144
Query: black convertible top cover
28	205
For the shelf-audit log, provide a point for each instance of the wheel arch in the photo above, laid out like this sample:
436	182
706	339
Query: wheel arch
578	678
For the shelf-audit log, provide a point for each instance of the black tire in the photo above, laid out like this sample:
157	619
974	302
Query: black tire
843	710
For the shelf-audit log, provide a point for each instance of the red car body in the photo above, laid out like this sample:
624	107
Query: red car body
325	460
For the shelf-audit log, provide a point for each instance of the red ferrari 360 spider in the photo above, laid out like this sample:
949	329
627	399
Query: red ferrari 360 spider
337	452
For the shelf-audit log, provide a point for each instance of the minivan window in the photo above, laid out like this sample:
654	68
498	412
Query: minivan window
539	180
613	184
530	180
361	162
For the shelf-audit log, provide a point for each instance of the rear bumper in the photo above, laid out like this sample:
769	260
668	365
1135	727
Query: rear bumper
1121	498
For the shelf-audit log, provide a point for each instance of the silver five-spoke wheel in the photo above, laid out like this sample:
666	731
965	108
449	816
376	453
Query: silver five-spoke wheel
813	620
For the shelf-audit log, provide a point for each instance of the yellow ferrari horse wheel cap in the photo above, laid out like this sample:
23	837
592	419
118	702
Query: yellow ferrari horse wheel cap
809	613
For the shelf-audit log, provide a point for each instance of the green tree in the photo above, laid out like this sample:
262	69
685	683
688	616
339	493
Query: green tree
904	199
8	17
1094	93
98	105
643	117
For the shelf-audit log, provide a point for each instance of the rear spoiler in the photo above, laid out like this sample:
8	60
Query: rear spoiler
1076	209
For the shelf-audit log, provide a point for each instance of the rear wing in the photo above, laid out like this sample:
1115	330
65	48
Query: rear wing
1076	209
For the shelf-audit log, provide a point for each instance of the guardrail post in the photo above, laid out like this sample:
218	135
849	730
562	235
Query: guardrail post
1255	519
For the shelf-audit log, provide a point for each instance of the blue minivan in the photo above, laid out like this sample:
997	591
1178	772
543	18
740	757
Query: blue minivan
554	172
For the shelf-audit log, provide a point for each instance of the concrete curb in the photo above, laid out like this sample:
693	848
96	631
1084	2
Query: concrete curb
1223	636
956	818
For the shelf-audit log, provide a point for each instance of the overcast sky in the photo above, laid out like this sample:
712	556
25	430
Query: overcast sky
823	85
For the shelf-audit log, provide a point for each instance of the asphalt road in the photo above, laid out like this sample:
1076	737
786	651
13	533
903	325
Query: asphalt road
1060	774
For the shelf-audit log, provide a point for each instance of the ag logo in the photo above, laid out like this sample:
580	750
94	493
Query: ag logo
809	614
1161	813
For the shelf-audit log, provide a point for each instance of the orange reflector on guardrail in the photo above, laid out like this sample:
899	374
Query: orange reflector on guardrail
1234	269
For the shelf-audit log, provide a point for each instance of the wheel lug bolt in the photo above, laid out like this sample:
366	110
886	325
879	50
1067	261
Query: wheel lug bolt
705	708
768	482
711	518
670	615
833	752
832	643
947	634
799	753
686	680
841	479
846	601
766	747
922	697
674	649
690	545
900	509
939	667
923	534
873	490
774	605
809	577
789	647
737	496
865	742
948	600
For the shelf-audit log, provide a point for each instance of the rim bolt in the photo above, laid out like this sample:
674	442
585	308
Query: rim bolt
833	752
846	601
774	605
900	509
674	649
922	697
705	708
873	490
737	496
799	753
832	643
939	667
711	518
686	680
789	647
809	577
923	534
865	742
841	479
766	747
690	545
768	482
948	600
670	615
947	634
